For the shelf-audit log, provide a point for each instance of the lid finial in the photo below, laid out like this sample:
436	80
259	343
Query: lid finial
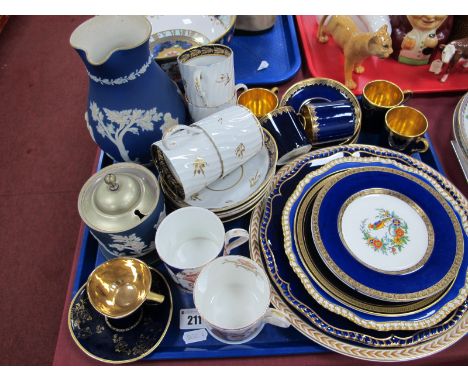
111	181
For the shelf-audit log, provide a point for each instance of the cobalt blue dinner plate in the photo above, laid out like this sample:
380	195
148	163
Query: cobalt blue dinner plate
123	340
325	288
387	234
293	291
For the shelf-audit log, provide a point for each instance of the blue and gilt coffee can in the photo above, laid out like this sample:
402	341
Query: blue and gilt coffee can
329	121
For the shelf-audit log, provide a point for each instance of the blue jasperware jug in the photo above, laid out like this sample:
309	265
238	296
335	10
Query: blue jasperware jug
131	99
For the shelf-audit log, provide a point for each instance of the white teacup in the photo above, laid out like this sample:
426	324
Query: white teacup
188	159
199	112
190	238
236	133
232	295
192	157
208	75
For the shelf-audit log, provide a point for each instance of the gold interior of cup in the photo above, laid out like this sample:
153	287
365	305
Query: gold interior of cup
406	122
383	93
119	286
260	101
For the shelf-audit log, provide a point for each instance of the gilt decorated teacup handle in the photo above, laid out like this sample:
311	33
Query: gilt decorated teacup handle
425	145
172	131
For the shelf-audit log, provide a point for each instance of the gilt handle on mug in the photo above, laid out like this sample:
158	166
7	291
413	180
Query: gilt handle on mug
407	94
156	297
424	148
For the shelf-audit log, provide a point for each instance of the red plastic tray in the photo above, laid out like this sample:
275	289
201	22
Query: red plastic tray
326	60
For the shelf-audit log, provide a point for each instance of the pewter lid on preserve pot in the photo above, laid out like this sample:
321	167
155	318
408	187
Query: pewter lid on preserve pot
118	198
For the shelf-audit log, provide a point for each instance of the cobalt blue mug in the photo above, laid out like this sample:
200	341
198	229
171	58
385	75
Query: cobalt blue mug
328	122
286	128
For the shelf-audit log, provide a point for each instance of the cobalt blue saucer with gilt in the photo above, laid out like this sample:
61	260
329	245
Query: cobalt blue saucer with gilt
319	90
291	287
387	234
123	340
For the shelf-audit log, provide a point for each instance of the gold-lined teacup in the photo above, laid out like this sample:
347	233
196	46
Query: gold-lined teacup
259	101
406	126
382	95
118	287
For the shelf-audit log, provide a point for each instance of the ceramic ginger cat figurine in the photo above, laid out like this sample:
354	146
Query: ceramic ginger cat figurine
356	45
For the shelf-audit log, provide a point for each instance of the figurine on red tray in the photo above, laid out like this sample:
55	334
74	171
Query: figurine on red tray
452	54
356	45
416	37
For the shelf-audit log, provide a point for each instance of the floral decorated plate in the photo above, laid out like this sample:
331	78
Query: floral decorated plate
325	288
419	316
240	189
124	340
387	234
306	314
301	250
173	34
171	43
316	310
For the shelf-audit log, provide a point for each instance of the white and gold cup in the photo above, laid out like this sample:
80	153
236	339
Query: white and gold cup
187	159
232	295
406	127
190	238
192	157
208	75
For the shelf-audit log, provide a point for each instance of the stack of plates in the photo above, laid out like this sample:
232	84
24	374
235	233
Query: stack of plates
237	193
372	261
460	133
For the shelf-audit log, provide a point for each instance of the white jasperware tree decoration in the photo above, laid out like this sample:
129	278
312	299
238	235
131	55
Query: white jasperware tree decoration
129	243
126	121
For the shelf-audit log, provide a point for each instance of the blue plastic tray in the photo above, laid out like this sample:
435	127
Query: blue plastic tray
278	46
271	341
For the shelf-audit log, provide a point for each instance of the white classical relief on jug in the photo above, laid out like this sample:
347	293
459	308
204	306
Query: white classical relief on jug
131	243
127	121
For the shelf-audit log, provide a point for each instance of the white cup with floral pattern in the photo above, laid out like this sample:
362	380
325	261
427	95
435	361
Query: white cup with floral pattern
190	238
232	296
